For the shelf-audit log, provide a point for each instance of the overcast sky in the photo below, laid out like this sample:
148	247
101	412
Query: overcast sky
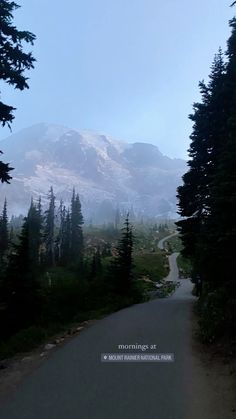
127	68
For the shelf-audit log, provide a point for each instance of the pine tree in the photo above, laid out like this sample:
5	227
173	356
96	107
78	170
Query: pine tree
76	229
22	284
33	224
205	149
207	198
39	215
14	61
60	220
65	229
49	230
223	185
121	271
4	235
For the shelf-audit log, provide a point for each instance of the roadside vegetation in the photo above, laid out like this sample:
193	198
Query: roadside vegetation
174	244
185	267
55	272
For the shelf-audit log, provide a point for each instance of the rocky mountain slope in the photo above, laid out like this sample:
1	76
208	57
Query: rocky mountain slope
106	173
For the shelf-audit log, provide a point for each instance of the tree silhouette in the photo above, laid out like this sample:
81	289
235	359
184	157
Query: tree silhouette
207	199
14	61
76	229
49	231
4	235
121	269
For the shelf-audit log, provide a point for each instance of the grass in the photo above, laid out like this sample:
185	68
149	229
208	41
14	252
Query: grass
167	290
151	265
24	340
185	266
32	337
174	244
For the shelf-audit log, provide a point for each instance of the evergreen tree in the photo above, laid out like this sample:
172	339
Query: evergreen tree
76	229
222	224
207	198
49	230
60	216
206	143
21	284
65	245
14	61
121	272
11	235
34	225
4	170
39	215
4	235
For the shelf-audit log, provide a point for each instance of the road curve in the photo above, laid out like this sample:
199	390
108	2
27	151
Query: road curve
162	241
74	384
174	271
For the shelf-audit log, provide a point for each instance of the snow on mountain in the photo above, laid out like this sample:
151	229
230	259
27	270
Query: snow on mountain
104	171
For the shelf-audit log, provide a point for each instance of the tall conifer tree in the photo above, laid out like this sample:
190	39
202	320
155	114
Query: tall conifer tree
22	284
205	148
223	185
49	230
4	235
14	61
121	270
207	198
65	237
76	229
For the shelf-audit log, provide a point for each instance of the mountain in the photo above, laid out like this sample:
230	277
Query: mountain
105	172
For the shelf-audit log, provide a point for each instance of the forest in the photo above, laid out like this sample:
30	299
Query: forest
56	271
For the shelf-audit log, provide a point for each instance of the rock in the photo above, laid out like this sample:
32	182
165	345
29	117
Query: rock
71	332
49	346
27	358
57	341
79	328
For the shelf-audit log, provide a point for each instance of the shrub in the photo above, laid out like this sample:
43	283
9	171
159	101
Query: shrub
216	315
25	340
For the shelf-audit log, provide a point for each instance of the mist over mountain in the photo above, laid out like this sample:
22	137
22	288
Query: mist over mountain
105	172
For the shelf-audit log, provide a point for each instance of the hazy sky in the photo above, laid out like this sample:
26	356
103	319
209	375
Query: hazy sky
128	68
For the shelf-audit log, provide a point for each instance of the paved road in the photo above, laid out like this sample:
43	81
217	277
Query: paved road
174	271
162	241
74	384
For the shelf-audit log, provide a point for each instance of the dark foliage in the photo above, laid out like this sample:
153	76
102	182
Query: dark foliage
14	62
207	199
